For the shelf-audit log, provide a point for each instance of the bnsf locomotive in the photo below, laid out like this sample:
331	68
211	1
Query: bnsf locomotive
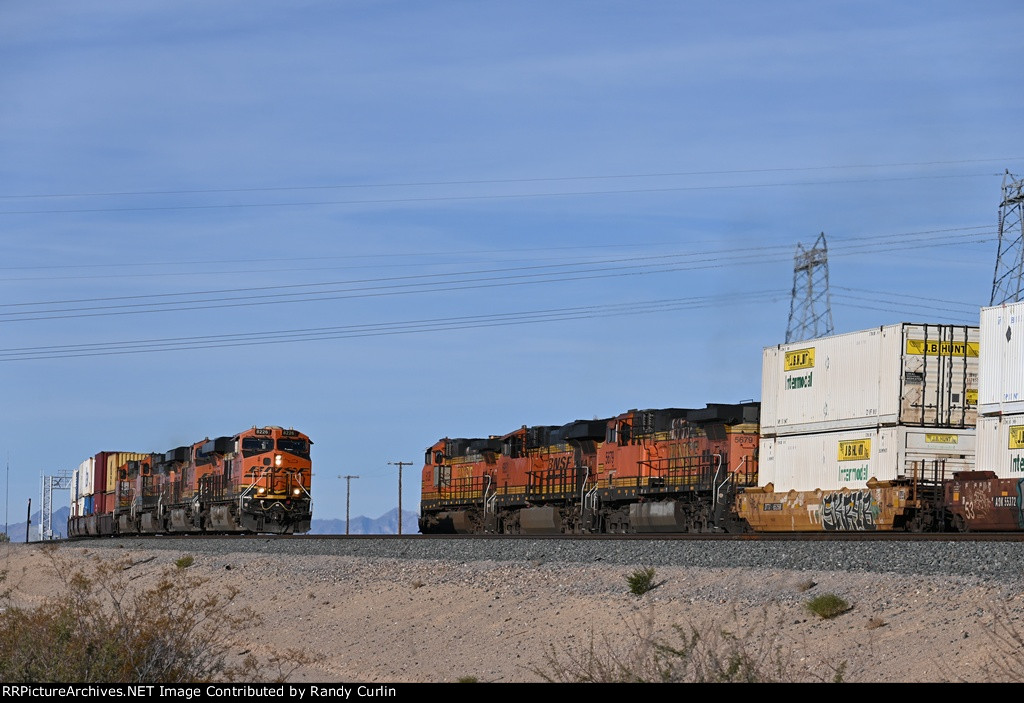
666	470
255	481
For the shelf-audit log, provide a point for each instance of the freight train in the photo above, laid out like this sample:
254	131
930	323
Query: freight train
256	481
868	431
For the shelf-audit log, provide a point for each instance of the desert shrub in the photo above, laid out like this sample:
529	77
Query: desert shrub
185	562
706	653
828	605
1006	640
99	629
641	581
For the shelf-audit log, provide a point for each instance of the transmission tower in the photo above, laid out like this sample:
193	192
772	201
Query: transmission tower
810	307
59	482
1006	283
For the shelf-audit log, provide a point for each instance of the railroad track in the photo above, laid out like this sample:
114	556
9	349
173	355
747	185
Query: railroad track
888	536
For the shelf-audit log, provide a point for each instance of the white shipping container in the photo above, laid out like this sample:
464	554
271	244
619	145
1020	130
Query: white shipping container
86	471
1001	367
1001	445
849	459
921	375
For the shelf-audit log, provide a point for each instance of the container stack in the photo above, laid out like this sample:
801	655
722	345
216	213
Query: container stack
886	403
82	489
1001	402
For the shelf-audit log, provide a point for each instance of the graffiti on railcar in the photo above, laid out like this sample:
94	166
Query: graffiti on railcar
977	501
856	511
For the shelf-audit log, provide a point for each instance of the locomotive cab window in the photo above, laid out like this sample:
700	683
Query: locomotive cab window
298	447
251	446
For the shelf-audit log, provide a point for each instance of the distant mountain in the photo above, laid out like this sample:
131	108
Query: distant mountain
386	524
59	526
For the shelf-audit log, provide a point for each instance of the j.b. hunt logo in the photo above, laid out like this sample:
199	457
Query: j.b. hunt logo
798	360
1017	442
854	449
936	348
1016	437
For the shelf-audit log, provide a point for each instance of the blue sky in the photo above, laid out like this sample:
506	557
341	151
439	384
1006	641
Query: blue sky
383	223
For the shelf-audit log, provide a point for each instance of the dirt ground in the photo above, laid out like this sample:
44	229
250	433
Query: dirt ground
400	621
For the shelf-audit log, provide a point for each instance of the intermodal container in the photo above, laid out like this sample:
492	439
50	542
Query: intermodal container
921	375
1001	445
85	472
76	491
114	461
1001	367
852	458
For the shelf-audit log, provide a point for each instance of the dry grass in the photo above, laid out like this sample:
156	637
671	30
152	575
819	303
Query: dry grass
1007	638
708	653
100	629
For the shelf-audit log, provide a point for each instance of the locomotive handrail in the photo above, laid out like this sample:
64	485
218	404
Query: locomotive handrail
592	498
715	485
583	485
487	499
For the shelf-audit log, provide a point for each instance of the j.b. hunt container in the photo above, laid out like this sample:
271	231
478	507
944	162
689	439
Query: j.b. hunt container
1000	441
1001	365
853	458
923	375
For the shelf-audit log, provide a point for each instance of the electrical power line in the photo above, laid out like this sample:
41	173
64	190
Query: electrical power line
378	329
475	279
493	181
494	196
891	301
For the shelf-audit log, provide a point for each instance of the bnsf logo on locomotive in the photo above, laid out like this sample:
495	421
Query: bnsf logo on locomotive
799	359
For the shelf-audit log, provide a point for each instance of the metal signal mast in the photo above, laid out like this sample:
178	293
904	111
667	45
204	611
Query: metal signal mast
60	482
1006	282
810	307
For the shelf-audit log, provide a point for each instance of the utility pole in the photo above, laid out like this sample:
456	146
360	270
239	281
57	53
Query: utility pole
400	464
28	520
348	484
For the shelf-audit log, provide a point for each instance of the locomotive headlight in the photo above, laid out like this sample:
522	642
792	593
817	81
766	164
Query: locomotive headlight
296	491
277	460
261	490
